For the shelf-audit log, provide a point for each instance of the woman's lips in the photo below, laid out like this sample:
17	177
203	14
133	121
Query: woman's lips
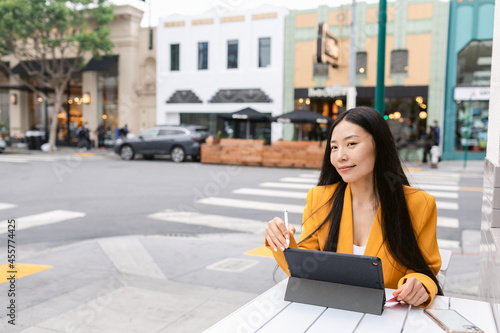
345	168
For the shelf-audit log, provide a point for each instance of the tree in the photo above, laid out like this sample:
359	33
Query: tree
50	38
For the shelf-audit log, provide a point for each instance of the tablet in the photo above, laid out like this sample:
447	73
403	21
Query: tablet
349	269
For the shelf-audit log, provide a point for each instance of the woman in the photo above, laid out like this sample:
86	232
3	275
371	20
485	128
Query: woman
363	205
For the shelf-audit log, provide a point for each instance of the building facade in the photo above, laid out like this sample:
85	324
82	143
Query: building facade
414	64
221	62
468	75
115	90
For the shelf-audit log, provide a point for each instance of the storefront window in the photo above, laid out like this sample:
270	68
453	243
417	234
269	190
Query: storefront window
4	113
474	64
37	114
472	125
107	85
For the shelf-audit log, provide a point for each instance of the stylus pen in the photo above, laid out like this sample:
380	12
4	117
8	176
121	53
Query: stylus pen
286	225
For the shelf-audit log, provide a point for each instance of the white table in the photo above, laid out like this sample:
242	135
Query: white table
269	312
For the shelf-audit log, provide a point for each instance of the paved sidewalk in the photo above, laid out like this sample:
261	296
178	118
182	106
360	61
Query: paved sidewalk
140	284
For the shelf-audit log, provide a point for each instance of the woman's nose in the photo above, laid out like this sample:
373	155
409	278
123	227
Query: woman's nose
341	154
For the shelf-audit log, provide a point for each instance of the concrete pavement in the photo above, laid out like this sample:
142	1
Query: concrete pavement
169	283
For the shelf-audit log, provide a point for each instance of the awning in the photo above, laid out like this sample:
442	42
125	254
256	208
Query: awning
34	66
102	64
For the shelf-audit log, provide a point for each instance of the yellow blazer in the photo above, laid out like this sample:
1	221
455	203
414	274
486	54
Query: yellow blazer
423	213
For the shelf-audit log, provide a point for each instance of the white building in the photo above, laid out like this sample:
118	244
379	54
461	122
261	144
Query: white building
220	61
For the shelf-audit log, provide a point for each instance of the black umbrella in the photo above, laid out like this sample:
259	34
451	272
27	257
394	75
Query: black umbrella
302	116
248	115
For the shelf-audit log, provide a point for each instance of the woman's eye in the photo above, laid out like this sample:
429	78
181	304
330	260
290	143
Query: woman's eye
334	147
351	144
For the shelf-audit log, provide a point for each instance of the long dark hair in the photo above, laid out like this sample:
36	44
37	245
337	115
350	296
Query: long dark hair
388	181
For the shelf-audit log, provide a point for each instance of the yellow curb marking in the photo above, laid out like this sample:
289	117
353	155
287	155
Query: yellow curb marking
412	169
19	270
84	154
260	251
475	189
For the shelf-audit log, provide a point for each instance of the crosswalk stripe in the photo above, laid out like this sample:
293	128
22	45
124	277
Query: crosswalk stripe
37	220
287	185
309	175
448	244
437	174
299	180
431	187
255	205
447	222
447	205
448	195
209	220
271	193
13	160
4	205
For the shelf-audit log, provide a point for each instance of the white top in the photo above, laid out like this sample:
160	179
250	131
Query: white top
359	250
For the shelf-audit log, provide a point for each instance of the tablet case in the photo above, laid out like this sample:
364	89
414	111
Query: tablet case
336	280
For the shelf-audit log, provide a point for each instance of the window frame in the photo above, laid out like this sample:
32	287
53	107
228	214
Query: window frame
232	42
200	61
172	69
396	55
260	62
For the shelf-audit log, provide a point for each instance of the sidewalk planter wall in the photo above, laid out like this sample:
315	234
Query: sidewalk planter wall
288	154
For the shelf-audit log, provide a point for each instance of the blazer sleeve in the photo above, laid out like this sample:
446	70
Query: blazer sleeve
424	215
308	226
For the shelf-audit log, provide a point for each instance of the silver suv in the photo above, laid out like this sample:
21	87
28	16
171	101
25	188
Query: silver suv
178	141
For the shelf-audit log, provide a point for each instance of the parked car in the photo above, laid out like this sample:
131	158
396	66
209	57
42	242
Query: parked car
3	145
178	141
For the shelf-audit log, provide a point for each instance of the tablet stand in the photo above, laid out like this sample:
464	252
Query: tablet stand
335	295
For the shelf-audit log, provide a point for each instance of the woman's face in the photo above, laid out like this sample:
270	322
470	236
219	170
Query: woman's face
353	153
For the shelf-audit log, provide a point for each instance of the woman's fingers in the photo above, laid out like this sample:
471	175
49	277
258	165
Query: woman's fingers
412	292
276	234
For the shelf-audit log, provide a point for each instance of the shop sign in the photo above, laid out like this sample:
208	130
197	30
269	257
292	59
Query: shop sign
472	93
327	92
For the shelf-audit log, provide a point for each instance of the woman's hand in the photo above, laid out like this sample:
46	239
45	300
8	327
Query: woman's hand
412	292
276	234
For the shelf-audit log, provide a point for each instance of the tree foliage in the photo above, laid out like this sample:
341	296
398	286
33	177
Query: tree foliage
50	38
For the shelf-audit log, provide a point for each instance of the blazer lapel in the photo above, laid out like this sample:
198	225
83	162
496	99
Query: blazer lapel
346	230
376	238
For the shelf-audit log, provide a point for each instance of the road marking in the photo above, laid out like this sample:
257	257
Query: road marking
20	269
287	185
38	220
426	187
447	222
448	195
448	244
309	175
233	265
215	221
129	256
474	189
255	205
271	193
4	205
447	205
298	180
260	252
12	160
